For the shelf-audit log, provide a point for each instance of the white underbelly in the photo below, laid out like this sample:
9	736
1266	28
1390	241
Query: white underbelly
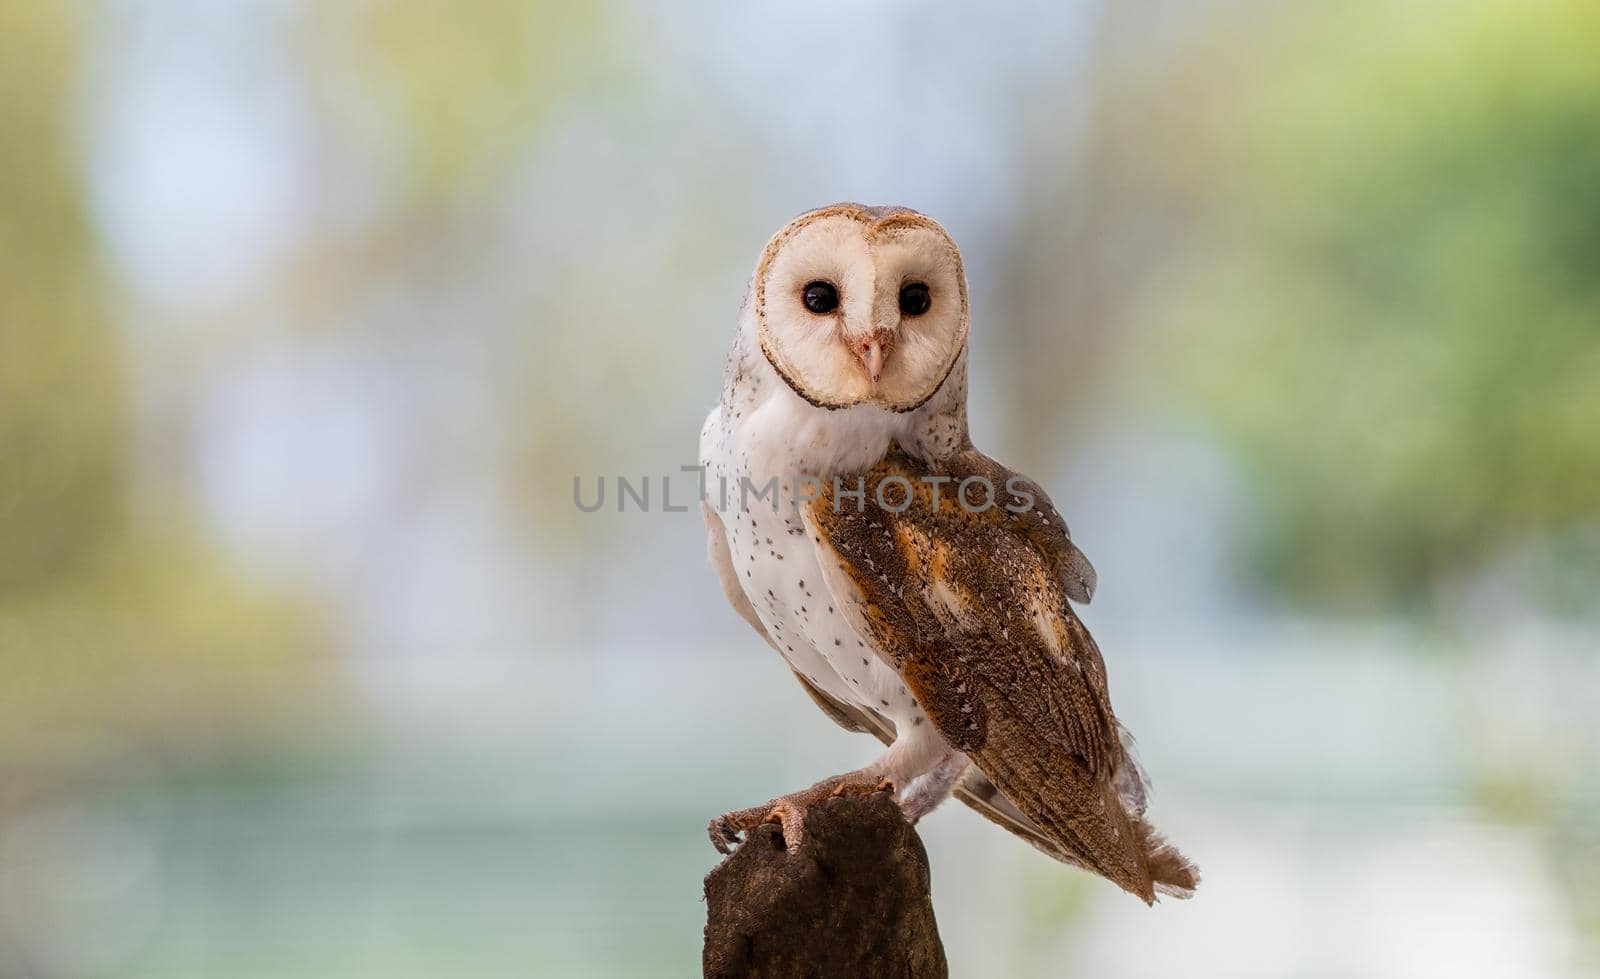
777	562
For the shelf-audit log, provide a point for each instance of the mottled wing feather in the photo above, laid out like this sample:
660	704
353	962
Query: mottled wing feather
1032	517
971	607
983	797
967	606
973	788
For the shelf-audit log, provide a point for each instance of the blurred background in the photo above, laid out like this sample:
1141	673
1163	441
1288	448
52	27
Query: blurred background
310	313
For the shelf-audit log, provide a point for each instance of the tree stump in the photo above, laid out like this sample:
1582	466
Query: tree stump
853	903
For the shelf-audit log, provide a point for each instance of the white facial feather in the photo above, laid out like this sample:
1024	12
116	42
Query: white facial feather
868	256
779	421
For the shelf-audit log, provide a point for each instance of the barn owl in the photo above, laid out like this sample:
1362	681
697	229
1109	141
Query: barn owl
844	505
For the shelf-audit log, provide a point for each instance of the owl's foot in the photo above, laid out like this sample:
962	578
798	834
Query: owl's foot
789	811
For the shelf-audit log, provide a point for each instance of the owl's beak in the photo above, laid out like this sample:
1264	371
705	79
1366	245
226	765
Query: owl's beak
872	350
872	358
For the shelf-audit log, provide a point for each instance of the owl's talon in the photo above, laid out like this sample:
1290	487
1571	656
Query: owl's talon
792	821
723	837
789	811
845	788
729	830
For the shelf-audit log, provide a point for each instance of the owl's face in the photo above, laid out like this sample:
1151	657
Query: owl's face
858	305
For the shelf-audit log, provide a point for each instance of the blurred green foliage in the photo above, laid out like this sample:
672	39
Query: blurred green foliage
60	383
463	92
1397	323
1367	231
110	619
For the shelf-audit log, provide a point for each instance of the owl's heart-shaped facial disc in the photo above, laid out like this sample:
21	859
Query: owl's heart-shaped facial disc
859	305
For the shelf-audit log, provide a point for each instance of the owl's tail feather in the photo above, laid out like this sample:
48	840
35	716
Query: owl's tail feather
986	800
1171	874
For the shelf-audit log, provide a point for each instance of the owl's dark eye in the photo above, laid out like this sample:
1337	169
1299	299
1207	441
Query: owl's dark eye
914	299
820	297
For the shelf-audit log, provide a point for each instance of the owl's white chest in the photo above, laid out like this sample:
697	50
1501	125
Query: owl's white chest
773	552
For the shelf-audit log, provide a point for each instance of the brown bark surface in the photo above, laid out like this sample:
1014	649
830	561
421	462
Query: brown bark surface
853	903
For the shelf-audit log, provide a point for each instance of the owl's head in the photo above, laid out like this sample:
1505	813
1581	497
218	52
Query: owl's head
862	305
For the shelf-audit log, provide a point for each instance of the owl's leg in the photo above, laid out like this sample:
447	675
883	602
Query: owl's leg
906	759
933	787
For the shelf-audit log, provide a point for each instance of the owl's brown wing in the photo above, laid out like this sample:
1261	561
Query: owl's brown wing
969	603
973	788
